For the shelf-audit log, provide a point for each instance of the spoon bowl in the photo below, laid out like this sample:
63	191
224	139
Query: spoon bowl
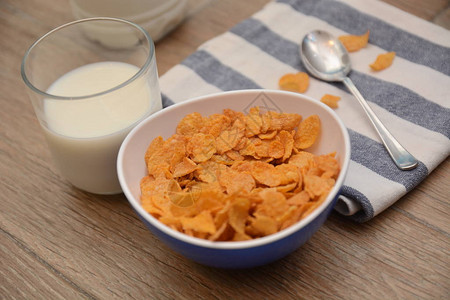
326	58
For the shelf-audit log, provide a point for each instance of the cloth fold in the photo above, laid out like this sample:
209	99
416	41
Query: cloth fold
411	97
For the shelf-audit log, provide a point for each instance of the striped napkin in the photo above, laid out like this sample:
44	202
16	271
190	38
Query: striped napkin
411	97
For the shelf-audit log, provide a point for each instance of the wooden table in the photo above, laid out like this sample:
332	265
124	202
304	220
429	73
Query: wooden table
59	242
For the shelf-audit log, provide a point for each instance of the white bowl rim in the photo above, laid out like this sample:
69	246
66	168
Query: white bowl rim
228	245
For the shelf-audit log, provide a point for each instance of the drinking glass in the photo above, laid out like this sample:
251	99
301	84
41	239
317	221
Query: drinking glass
90	82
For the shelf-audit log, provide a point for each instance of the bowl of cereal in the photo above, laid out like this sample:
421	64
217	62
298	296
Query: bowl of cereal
236	179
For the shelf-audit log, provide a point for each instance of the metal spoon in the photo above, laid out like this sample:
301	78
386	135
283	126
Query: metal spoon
326	58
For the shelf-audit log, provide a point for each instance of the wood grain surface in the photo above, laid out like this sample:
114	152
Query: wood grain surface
57	242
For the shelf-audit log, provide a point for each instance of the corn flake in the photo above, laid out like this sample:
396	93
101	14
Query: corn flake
383	61
235	177
307	133
354	42
297	82
330	100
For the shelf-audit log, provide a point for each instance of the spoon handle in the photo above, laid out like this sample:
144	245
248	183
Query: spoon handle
402	158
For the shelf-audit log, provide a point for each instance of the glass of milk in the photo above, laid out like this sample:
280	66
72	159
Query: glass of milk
90	82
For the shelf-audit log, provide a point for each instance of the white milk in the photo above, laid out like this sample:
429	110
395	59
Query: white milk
85	135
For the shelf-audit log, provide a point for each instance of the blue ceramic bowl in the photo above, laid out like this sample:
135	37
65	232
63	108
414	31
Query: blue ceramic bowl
131	168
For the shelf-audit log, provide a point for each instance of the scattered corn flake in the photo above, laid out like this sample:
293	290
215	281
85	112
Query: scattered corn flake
297	82
235	177
330	100
383	61
354	42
